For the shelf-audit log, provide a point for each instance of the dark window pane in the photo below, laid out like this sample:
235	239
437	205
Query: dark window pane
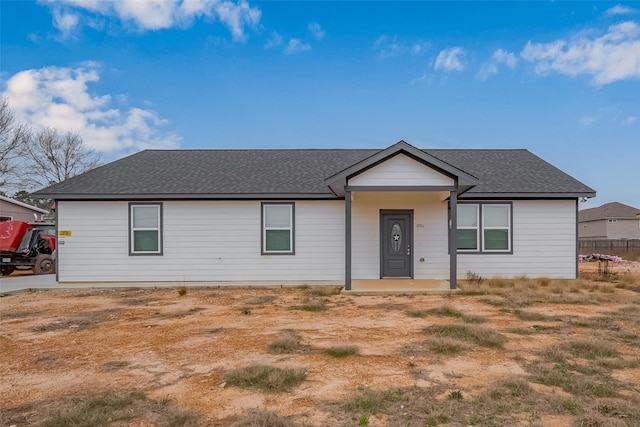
468	239
278	240
145	241
496	240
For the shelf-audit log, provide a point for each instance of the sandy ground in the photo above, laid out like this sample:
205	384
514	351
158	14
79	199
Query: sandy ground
69	342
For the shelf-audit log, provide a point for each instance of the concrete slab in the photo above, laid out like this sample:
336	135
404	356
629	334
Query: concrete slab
19	283
398	286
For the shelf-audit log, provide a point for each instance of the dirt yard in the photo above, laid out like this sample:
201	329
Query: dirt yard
500	352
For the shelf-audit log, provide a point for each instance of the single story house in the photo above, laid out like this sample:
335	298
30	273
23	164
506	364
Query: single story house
609	221
310	215
11	209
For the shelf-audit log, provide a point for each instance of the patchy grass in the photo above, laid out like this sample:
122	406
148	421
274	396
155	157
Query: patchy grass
373	401
323	291
342	351
264	419
530	316
479	335
266	378
261	300
592	349
446	346
446	311
110	408
288	341
313	304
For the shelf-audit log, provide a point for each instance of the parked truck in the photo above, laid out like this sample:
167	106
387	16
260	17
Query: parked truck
26	246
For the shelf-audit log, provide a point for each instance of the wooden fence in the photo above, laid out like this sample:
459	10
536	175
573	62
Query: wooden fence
630	245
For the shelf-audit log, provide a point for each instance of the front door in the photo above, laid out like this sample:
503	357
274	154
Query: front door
396	238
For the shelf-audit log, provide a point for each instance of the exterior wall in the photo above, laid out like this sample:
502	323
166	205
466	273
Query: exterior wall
401	171
593	229
202	241
429	232
18	213
220	241
544	243
624	229
602	229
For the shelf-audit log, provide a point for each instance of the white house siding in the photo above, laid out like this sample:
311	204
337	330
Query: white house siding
401	170
429	232
544	243
202	241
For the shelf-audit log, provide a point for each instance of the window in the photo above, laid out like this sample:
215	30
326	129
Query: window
5	218
484	227
468	221
145	221
277	228
496	228
612	221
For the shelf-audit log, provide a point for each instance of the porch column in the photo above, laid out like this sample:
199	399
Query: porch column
347	242
453	240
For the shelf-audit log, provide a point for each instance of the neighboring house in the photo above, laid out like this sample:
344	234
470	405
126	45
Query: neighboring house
306	215
609	221
11	209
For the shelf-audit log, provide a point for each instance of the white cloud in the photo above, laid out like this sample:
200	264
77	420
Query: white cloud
59	97
65	22
390	46
630	120
450	59
150	15
296	46
492	67
587	120
316	30
607	58
274	40
620	10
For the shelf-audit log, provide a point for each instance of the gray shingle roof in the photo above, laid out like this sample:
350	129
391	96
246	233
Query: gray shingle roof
612	210
293	173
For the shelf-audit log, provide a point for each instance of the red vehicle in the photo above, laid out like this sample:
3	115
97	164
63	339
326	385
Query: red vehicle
25	246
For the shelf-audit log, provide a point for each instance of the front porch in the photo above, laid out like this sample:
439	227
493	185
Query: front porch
398	285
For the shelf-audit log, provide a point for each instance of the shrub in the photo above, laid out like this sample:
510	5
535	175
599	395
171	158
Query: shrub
287	342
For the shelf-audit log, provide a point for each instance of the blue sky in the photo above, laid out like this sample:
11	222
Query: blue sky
561	79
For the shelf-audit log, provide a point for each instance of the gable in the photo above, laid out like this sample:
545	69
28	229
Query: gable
400	170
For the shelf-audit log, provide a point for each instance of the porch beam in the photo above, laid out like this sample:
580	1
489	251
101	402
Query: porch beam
453	240
394	188
347	242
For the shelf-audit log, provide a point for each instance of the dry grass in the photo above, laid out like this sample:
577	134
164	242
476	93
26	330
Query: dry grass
288	341
341	351
478	335
266	378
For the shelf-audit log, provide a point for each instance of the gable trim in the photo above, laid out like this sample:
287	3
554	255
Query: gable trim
338	182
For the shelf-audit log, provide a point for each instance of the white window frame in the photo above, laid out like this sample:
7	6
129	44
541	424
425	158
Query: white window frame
477	228
133	229
290	228
508	227
480	206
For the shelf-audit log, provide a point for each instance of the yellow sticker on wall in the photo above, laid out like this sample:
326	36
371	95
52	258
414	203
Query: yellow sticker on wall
64	232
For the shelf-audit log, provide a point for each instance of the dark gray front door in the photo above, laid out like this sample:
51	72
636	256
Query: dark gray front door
396	240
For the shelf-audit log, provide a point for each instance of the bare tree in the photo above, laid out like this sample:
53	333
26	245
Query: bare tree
53	156
13	138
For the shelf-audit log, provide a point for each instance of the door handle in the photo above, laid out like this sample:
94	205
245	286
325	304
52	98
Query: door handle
408	249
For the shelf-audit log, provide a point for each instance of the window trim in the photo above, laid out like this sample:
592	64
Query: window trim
160	229
291	228
481	249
